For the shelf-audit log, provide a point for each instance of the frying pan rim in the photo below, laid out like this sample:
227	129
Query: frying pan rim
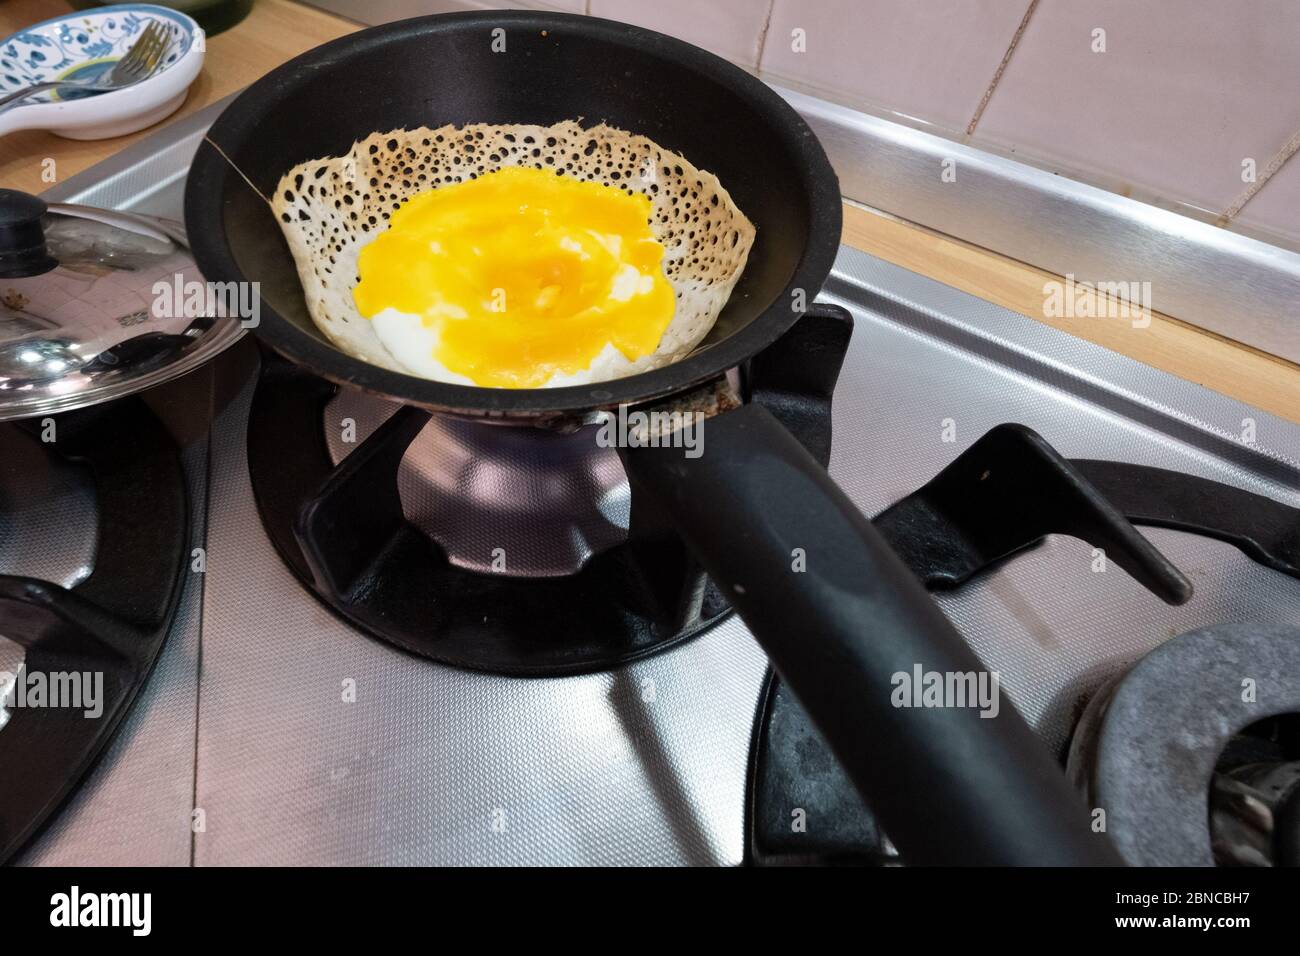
210	173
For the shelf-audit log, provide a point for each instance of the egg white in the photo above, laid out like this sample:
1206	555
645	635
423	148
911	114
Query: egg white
413	345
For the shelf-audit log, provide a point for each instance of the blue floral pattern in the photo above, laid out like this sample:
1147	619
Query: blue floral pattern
84	44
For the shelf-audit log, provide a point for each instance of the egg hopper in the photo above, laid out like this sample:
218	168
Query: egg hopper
331	207
549	69
831	604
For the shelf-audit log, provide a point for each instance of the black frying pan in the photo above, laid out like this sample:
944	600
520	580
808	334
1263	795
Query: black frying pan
948	785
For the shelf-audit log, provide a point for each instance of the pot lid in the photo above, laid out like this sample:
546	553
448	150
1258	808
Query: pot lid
96	304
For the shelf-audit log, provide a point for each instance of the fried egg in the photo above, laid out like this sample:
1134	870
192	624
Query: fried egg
512	256
517	279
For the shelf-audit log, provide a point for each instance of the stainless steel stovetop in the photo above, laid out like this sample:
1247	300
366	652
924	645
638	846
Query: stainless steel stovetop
247	718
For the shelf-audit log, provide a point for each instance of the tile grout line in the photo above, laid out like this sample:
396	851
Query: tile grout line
997	75
1289	149
762	35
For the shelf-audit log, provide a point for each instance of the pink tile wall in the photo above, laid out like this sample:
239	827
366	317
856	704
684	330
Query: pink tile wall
931	60
1184	92
729	28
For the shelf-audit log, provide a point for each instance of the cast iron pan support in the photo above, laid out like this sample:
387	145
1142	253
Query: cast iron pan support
795	377
1005	493
357	513
837	632
1264	530
342	531
113	623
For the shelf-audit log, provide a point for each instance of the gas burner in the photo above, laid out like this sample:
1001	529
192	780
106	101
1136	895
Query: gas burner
1167	750
491	547
106	624
531	502
1000	497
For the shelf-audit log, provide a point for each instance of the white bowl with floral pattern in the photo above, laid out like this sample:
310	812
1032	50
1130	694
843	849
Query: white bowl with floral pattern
84	44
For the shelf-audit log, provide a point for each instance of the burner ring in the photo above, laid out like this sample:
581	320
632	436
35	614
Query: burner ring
1148	742
343	531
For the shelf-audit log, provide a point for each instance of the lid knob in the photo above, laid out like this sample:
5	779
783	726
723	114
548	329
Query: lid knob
22	238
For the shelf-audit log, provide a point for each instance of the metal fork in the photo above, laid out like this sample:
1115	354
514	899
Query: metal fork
140	62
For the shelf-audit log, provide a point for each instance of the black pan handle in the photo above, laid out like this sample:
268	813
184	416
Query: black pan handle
950	786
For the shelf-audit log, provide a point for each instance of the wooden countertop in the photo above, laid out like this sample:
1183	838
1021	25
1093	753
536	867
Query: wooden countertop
277	30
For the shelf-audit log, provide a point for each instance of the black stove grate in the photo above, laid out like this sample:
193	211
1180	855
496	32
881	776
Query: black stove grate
342	531
112	624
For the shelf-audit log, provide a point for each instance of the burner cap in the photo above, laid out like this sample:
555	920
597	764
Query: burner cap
1148	743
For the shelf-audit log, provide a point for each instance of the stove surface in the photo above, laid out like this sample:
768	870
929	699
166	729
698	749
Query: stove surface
303	741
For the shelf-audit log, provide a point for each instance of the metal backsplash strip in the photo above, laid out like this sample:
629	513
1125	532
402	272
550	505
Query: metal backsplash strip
1231	284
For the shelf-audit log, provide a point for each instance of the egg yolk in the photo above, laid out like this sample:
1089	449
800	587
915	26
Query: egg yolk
522	274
